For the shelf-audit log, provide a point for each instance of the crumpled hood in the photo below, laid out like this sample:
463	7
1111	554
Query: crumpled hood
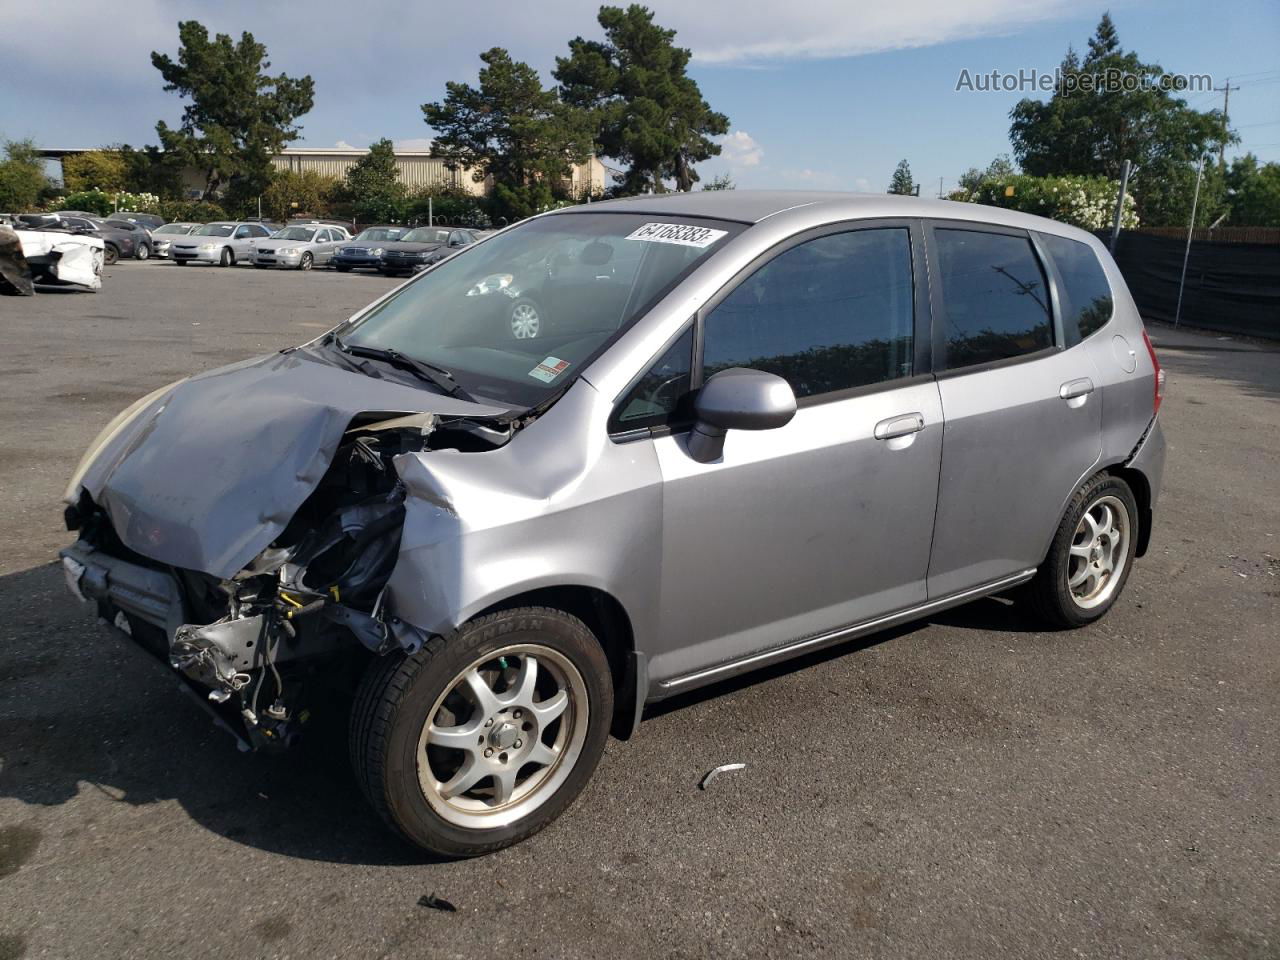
211	472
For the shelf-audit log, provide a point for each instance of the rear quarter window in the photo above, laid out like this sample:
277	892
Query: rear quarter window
1085	295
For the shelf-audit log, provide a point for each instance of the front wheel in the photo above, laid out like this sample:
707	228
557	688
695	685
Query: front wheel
481	739
306	262
526	320
1091	556
227	258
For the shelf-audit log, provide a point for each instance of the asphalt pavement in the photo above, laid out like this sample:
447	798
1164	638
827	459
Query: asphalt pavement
969	786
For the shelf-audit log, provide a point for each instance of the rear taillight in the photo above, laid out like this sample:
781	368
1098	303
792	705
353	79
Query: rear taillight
1155	365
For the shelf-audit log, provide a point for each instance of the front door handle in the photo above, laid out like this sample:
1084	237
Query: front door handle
902	426
1076	388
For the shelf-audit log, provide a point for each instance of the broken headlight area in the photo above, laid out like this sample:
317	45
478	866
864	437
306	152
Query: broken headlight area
260	645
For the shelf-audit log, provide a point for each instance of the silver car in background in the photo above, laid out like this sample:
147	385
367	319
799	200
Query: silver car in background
225	243
167	233
299	246
749	425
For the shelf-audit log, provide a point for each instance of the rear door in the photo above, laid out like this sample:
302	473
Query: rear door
1023	416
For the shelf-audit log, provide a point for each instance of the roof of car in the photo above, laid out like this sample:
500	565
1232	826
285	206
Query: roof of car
752	206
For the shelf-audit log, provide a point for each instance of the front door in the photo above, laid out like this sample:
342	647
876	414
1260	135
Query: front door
1023	417
825	522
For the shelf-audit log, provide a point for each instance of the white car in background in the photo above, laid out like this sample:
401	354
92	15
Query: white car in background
299	246
166	234
225	242
63	258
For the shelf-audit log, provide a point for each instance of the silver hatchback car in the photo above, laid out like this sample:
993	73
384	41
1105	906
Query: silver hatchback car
747	426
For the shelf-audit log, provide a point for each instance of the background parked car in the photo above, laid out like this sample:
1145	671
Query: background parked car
422	247
367	248
143	243
299	247
162	236
148	221
223	242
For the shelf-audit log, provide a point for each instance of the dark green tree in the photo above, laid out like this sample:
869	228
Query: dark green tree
238	116
373	188
511	129
902	182
22	177
646	110
1090	127
1253	192
998	169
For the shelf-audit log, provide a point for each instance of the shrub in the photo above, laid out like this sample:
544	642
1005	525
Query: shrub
91	201
1085	202
191	211
447	204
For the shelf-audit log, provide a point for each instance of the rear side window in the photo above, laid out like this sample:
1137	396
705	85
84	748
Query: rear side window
830	314
994	296
1085	297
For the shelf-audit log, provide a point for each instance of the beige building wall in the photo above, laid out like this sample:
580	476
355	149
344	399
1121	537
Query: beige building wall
418	169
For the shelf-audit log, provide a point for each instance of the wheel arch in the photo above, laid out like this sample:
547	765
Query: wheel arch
607	618
1141	487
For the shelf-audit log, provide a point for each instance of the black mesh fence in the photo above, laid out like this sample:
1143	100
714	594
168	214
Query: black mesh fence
1232	287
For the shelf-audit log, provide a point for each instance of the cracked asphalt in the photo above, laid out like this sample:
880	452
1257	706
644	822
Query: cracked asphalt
968	786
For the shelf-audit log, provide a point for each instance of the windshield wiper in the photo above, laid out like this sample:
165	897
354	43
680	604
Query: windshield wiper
437	376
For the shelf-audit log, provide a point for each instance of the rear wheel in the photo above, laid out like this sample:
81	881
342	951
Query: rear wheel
481	739
143	252
1092	553
227	258
110	254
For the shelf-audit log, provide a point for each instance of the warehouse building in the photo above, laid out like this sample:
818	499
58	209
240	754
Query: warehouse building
417	169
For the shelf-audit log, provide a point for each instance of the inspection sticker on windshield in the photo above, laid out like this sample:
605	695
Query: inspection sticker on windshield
549	369
678	233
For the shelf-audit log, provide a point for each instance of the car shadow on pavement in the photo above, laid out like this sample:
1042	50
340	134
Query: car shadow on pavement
82	712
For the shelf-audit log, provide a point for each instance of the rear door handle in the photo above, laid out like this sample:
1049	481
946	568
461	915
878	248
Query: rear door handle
899	426
1076	388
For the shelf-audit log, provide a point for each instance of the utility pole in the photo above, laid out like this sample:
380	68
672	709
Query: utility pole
1225	90
939	188
1191	228
1124	185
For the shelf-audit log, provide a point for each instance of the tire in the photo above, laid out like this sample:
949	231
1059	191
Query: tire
143	252
110	254
525	320
341	268
306	262
262	266
1094	546
226	258
180	263
401	696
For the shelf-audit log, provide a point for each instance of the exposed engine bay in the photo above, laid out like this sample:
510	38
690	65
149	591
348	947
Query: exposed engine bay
257	643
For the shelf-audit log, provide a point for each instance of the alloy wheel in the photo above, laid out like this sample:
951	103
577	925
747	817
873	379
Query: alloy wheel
525	321
1099	551
503	737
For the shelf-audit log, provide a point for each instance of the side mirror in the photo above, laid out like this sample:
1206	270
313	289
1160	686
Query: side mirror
738	399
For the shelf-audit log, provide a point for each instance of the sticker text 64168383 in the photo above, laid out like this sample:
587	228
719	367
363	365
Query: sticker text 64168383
678	233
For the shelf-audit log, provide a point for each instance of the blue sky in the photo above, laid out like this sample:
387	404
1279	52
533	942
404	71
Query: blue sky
830	95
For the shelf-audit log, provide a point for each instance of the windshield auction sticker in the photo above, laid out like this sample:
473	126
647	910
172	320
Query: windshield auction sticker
680	234
549	369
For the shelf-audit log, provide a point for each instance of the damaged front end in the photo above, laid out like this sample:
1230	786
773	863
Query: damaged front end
295	621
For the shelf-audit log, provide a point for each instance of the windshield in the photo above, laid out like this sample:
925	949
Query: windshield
426	235
214	230
179	228
382	233
294	233
518	316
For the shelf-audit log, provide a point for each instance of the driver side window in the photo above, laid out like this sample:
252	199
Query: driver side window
661	397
